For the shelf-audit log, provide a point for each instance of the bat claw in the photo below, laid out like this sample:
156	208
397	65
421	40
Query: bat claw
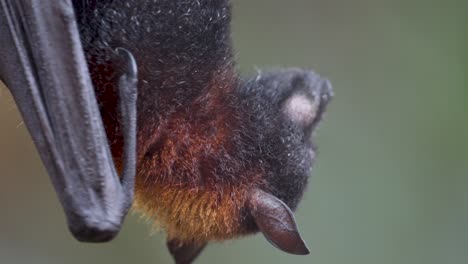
128	89
132	70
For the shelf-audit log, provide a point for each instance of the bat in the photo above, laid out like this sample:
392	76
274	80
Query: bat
203	153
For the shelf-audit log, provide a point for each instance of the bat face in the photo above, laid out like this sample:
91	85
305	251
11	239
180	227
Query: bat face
287	107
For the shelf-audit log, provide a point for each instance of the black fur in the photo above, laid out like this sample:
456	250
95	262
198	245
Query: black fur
286	146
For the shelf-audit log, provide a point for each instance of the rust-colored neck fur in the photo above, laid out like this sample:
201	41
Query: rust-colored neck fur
190	179
187	168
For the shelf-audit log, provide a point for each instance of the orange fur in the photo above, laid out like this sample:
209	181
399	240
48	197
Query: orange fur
178	185
194	214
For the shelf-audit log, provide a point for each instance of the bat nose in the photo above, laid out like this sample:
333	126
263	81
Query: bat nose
325	90
321	91
320	88
100	232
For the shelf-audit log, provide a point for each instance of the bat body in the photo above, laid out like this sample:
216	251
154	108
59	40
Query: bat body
218	156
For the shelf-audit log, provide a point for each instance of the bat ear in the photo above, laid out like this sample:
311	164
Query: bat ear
276	221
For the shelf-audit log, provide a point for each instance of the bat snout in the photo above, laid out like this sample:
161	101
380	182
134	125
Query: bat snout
319	89
325	91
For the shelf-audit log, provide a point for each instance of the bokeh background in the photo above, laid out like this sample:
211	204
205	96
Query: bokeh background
391	180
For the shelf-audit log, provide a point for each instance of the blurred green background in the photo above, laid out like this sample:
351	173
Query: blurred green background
390	183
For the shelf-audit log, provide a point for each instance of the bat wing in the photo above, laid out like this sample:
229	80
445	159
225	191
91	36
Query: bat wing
43	65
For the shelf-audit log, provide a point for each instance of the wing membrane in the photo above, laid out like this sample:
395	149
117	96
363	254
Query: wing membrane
44	67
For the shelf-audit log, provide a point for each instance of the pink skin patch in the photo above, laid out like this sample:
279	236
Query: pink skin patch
301	109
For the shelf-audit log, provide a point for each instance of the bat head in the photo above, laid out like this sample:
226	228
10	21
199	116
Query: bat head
287	107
